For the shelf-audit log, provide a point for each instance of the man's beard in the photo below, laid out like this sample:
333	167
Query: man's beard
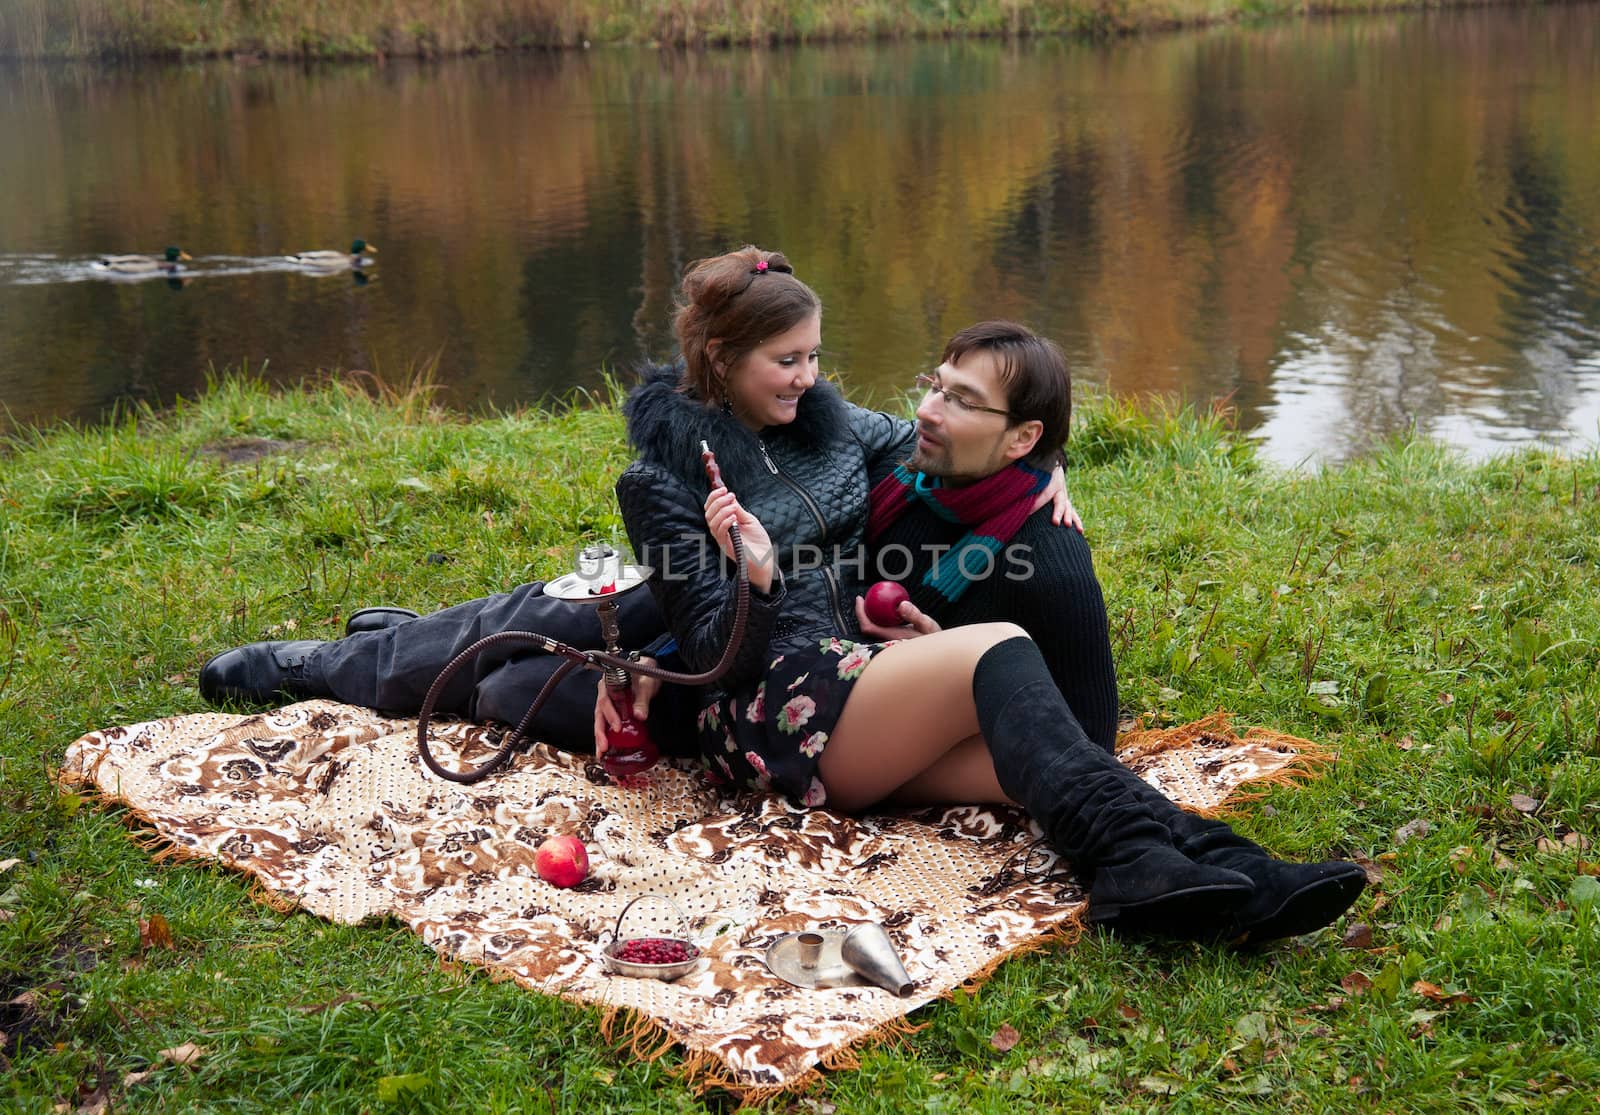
935	462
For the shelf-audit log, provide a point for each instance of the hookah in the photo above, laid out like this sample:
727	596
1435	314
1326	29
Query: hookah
599	581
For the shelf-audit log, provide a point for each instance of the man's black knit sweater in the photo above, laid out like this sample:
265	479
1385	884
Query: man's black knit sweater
1043	581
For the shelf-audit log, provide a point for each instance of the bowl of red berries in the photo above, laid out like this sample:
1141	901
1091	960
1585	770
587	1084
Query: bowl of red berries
651	955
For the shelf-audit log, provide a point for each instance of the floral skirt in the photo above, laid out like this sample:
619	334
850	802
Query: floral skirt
769	737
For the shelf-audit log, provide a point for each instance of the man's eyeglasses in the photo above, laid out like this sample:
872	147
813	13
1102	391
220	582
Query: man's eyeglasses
955	398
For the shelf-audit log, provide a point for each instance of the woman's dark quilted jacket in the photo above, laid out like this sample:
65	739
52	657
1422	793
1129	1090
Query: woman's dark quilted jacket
806	481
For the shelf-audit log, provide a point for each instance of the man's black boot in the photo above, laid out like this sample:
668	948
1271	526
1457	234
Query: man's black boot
261	673
1289	898
379	618
1093	809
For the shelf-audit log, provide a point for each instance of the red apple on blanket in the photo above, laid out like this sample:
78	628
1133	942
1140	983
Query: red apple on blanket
883	603
562	861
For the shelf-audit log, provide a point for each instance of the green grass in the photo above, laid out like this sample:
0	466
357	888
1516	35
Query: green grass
381	28
1432	620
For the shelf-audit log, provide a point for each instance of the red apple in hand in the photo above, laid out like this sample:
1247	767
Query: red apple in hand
883	603
562	861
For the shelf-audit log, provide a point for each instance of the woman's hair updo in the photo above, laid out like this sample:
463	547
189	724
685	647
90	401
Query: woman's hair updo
740	299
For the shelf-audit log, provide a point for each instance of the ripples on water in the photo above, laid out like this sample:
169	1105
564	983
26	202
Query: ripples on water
1345	228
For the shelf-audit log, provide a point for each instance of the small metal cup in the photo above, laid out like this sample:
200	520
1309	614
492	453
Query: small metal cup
810	949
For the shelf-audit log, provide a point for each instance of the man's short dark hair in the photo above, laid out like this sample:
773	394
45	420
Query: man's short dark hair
1035	375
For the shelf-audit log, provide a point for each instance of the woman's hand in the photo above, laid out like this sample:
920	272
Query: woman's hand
606	718
917	622
1056	493
722	511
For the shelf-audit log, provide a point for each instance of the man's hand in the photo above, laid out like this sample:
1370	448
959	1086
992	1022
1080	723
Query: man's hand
1063	513
917	622
605	713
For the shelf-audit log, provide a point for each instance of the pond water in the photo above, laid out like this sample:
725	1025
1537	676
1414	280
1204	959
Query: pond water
1344	228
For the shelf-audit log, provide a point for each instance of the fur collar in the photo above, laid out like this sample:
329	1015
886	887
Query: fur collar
666	426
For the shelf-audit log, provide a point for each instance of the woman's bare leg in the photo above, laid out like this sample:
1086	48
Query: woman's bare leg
952	778
910	725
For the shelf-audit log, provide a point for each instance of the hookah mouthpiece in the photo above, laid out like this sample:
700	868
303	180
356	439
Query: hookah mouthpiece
709	459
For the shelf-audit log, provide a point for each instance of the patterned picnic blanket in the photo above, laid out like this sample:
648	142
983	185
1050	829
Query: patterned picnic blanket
330	808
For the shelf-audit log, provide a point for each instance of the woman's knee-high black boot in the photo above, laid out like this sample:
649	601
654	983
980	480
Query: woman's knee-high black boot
1289	898
1092	808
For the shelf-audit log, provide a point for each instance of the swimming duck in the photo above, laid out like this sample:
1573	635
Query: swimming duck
330	259
141	265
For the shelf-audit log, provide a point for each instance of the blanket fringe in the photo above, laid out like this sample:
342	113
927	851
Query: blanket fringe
705	1071
1064	935
644	1038
1308	761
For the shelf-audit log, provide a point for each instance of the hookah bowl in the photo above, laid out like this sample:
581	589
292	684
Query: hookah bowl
600	581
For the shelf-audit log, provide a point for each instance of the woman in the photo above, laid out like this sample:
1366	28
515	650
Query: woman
967	714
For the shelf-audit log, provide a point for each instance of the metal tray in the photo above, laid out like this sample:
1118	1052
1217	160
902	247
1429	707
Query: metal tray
783	960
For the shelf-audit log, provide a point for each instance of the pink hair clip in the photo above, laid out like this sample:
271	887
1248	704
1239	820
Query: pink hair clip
761	267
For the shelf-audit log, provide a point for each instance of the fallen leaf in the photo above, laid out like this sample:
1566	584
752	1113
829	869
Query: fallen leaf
1411	830
96	1101
1130	1013
1005	1038
1422	1023
1370	866
1252	1026
1479	810
1356	983
132	1078
1406	743
1435	993
1501	862
1358	936
8	864
1522	803
26	1000
186	1054
1576	840
1446	699
1229	1065
1163	1083
392	1088
154	934
1461	859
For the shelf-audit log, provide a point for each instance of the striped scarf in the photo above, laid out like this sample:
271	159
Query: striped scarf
994	508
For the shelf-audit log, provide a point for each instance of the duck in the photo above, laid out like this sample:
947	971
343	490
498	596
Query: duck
328	259
142	265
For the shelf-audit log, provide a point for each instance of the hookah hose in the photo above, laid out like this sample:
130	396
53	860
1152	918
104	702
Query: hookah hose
592	659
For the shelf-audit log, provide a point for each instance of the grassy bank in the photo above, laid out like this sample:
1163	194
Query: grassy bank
1431	620
365	28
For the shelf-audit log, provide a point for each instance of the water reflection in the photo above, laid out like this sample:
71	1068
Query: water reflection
1347	228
